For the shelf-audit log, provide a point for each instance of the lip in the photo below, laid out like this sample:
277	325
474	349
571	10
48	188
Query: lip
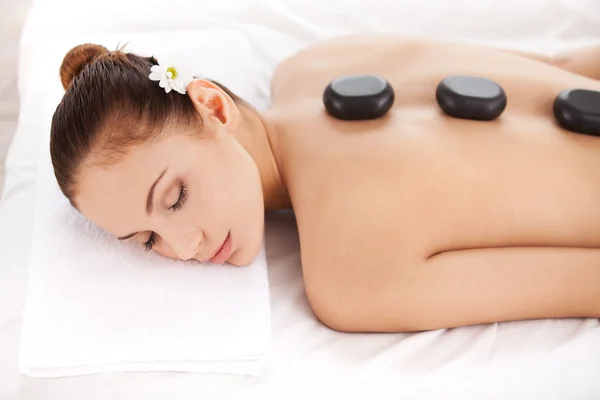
223	253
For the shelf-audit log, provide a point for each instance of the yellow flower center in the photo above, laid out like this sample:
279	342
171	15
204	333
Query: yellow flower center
173	72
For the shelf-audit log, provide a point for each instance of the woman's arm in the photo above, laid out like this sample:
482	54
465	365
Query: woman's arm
470	287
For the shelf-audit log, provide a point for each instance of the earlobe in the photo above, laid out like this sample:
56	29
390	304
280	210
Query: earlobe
212	102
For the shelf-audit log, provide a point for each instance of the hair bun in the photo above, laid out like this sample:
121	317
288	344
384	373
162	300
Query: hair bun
76	60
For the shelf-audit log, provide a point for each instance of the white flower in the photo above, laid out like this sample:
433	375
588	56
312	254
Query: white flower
171	75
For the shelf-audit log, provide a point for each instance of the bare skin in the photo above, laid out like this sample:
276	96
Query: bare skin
415	221
420	221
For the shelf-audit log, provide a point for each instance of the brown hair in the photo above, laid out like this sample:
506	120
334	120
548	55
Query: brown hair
109	105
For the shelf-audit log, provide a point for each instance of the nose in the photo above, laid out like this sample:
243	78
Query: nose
185	245
185	253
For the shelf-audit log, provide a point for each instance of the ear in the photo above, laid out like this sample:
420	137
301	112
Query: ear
213	103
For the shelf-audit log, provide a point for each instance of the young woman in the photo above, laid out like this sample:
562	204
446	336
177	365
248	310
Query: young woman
414	221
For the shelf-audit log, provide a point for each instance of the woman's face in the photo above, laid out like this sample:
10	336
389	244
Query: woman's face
184	195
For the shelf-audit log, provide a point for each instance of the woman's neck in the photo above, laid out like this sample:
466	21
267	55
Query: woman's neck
260	141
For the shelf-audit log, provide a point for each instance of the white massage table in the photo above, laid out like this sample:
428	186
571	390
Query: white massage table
546	359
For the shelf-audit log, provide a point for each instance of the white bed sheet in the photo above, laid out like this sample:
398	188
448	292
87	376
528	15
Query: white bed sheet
550	359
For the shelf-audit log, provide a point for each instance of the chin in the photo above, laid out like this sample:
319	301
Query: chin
244	257
235	263
247	251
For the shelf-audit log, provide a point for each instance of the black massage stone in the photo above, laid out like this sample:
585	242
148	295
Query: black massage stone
578	110
471	97
358	97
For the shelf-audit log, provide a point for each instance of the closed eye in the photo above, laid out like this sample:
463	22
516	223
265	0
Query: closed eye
149	244
183	195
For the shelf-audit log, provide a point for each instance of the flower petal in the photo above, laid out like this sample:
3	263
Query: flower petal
163	82
155	75
181	84
178	88
168	89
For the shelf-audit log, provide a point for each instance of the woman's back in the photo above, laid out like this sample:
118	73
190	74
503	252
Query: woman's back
378	202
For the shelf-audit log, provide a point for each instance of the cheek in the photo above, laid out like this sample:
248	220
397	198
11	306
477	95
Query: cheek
249	194
162	247
212	196
231	193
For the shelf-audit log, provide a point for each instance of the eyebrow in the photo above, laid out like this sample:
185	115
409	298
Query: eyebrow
150	198
149	202
128	236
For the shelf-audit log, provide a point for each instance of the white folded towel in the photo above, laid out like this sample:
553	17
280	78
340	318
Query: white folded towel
95	304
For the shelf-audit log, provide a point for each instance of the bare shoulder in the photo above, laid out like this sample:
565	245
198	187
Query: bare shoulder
321	56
